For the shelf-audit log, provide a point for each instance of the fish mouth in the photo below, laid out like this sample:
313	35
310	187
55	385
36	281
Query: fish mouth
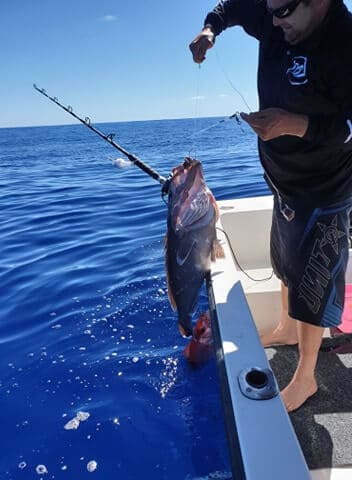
187	171
187	194
190	162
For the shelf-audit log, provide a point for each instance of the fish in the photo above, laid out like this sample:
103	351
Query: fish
190	243
200	348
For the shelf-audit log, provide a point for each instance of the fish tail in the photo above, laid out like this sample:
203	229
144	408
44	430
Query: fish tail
217	251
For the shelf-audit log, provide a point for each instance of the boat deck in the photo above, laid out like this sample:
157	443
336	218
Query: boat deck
323	425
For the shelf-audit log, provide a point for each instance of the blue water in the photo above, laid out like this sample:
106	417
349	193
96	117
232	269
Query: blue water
85	323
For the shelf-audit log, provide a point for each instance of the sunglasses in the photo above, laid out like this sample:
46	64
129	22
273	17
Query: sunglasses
285	10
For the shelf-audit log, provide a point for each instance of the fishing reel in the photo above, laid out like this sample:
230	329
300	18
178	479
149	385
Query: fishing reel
166	187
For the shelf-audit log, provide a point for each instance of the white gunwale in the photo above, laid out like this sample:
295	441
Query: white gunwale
242	309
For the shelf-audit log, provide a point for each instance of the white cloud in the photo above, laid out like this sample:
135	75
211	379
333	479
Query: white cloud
108	18
199	97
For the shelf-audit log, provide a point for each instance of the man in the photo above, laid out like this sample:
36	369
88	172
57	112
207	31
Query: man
304	126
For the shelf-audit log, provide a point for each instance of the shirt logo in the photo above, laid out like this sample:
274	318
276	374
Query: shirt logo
297	74
349	124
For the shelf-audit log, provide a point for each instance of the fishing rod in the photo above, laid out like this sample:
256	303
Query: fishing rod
110	138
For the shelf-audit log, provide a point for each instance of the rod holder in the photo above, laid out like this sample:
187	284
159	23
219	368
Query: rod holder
258	383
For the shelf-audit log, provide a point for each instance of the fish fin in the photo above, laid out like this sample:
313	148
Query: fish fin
198	353
215	205
191	212
217	251
203	323
184	250
169	289
170	295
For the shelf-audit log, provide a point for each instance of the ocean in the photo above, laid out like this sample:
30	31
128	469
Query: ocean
93	382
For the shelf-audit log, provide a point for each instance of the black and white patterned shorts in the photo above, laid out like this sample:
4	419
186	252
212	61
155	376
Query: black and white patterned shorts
309	253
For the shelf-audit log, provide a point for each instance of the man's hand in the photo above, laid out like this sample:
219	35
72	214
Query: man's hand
201	44
274	122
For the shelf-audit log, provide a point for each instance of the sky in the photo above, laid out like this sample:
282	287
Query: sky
118	61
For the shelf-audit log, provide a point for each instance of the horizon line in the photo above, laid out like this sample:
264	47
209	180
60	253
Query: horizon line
113	121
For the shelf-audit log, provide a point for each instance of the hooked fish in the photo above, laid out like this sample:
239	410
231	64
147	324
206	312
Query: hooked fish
191	242
200	348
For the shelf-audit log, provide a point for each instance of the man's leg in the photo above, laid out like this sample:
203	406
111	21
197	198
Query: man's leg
303	384
289	332
286	331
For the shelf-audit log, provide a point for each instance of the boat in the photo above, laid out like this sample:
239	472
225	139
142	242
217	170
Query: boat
264	441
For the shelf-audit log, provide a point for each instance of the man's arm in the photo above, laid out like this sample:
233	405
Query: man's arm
248	13
271	123
335	129
202	43
225	14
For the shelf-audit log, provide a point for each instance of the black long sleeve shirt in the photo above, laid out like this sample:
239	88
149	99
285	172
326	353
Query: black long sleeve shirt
313	78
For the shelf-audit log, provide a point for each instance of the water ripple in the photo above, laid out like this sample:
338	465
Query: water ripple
85	320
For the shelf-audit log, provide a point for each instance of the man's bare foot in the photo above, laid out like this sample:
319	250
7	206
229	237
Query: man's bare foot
280	336
298	391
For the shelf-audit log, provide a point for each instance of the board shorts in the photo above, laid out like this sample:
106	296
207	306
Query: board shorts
309	254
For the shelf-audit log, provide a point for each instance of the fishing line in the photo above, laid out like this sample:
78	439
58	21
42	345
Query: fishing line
235	115
196	117
196	113
238	263
230	81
